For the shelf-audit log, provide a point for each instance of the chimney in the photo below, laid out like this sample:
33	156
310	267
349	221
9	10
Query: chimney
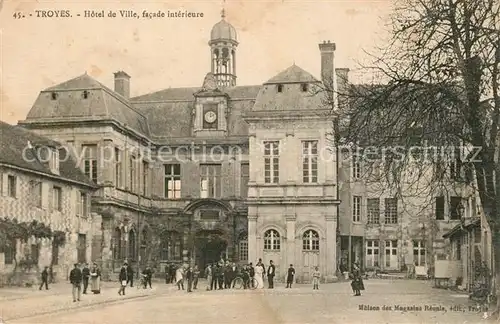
122	84
327	50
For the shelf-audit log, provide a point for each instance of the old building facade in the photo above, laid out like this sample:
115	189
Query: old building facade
39	184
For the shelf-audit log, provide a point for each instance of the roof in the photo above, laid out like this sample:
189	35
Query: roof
102	103
293	74
13	152
463	227
170	112
223	31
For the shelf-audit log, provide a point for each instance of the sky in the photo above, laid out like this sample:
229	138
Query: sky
158	53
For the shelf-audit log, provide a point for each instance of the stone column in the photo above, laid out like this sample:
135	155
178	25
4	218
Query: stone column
331	250
252	238
290	240
253	157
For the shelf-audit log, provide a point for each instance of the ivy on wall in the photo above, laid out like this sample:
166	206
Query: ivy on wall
11	229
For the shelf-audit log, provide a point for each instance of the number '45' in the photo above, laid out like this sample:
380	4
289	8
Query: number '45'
17	15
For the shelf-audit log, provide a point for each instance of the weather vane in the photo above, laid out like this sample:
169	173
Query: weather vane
223	11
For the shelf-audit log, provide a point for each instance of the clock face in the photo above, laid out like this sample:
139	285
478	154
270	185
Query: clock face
210	117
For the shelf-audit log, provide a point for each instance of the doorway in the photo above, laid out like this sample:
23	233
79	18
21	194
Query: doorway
210	247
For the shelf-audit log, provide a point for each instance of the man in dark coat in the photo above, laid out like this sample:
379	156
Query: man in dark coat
75	278
189	278
45	279
148	275
220	280
290	276
122	277
85	277
227	276
271	271
130	275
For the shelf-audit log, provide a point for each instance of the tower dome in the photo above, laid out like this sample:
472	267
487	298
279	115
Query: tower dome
223	31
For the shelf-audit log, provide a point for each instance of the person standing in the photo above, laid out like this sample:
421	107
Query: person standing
227	269
357	282
85	277
251	273
122	277
45	278
290	276
270	274
189	278
75	278
95	279
196	274
130	275
179	278
316	276
220	278
148	274
261	264
259	276
208	275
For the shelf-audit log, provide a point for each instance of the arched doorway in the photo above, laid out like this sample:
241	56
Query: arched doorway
210	247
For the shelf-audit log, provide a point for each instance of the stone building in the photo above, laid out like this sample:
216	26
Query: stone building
180	171
39	182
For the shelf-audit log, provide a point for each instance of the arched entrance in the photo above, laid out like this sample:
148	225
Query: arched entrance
210	246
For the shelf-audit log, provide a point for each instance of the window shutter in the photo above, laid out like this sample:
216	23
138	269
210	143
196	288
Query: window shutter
78	203
51	198
5	184
87	204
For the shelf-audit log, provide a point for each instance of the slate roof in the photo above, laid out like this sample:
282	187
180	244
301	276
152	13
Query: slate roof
293	74
14	140
102	103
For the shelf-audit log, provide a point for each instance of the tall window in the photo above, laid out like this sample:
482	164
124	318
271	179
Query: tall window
454	210
391	253
35	193
356	167
272	240
210	181
172	181
131	245
419	253
310	241
245	175
12	186
117	244
55	253
310	161
439	208
118	168
132	173
90	161
82	207
54	160
356	209
243	248
372	253
271	162
145	178
170	248
56	198
373	210
9	251
391	211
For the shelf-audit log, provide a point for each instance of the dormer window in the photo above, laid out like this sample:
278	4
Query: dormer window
53	95
304	87
54	160
85	94
279	88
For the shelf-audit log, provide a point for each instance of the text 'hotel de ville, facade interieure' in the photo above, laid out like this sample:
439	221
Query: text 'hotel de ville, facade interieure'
203	173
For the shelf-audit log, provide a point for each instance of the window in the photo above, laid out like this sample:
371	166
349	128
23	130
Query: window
272	240
243	248
82	204
12	186
245	176
373	210
132	174
271	162
310	241
356	209
170	248
210	181
131	245
53	95
209	214
172	181
456	165
90	161
35	252
145	178
55	253
419	253
57	198
35	193
454	208
356	167
391	253
279	88
304	87
117	244
310	161
85	94
9	251
439	208
372	253
54	160
391	211
82	248
118	168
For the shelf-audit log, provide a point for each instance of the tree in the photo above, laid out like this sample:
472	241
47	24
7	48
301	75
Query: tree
437	86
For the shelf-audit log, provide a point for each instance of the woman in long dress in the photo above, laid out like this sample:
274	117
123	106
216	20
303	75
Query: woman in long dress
95	279
258	277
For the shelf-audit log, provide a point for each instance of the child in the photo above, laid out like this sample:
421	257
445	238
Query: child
357	283
290	276
316	276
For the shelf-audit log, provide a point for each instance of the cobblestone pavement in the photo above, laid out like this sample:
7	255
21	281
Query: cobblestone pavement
333	303
23	303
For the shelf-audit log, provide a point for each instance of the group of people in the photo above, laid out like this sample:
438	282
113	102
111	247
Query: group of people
84	274
126	276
